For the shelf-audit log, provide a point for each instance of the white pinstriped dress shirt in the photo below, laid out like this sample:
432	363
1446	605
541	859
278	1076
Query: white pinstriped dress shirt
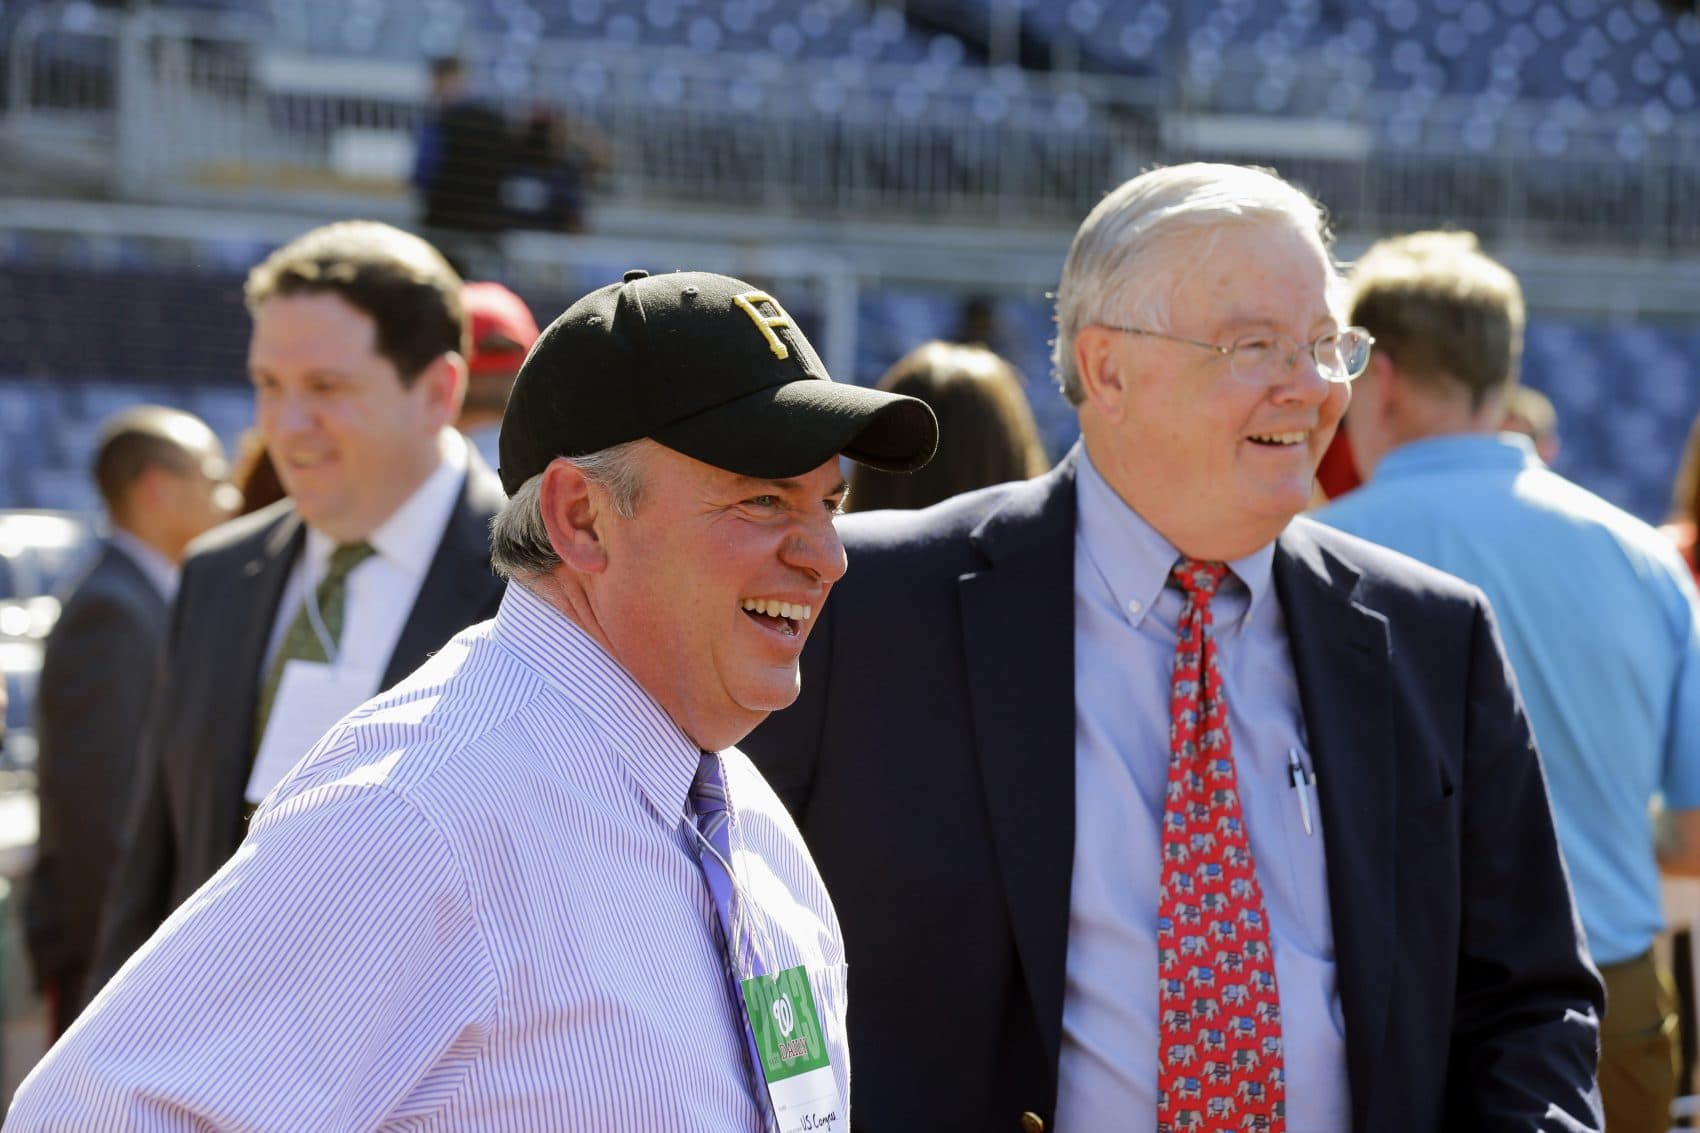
474	906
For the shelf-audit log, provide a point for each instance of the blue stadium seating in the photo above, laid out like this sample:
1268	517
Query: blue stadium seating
1625	393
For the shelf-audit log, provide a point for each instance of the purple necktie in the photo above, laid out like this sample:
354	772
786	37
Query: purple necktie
708	804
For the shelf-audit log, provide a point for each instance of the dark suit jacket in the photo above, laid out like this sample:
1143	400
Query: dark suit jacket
930	764
187	814
96	678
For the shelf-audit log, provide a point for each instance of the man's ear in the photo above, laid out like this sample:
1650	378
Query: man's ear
151	486
1389	385
444	380
573	509
1102	377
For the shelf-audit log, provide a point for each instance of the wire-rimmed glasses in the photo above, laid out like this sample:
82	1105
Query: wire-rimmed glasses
1340	355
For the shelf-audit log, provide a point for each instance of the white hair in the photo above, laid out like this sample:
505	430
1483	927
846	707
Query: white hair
519	539
1114	270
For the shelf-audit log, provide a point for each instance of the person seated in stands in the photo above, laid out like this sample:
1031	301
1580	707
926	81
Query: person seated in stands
556	157
986	430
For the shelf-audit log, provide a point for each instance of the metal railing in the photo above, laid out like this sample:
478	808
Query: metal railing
177	111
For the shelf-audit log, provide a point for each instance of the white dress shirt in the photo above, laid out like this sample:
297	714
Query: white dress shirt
380	591
475	906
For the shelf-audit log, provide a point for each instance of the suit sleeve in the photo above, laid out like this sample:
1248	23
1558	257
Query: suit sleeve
139	897
92	707
786	748
1526	1028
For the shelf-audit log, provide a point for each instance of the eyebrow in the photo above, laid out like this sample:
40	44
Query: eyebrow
790	484
317	372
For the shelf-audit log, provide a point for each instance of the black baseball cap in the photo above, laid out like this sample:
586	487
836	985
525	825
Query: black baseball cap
709	366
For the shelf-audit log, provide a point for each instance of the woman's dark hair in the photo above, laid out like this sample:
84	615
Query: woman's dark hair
986	429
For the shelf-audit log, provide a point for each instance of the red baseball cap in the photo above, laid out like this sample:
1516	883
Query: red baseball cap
503	328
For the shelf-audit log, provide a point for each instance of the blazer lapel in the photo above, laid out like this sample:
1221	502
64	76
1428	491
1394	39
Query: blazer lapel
1018	638
1341	655
460	587
250	608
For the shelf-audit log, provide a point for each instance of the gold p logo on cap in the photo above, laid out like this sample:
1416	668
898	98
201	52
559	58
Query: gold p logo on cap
767	323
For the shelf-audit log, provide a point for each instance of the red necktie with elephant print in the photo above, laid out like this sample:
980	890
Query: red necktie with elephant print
1219	1015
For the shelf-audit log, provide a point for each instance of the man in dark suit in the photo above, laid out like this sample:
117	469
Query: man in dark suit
308	607
163	480
1146	804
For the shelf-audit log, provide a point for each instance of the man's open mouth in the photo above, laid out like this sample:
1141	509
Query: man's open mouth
786	617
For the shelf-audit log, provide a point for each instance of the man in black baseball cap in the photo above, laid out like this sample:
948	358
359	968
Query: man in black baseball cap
671	451
593	906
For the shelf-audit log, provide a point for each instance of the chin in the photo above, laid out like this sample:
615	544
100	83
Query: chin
764	701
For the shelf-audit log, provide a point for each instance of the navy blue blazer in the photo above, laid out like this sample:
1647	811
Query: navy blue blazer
930	764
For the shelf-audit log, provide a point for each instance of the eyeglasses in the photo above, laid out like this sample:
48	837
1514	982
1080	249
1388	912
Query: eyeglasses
1340	355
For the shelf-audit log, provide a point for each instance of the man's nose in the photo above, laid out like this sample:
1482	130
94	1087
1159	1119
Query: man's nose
288	413
816	548
1302	379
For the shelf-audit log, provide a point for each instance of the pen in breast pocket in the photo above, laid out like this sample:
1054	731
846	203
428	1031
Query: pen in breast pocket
1303	783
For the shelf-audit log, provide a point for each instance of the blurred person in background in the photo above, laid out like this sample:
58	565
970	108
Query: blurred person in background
291	616
556	158
464	151
1530	412
1684	522
254	474
1337	471
1172	808
502	329
163	481
986	430
1597	612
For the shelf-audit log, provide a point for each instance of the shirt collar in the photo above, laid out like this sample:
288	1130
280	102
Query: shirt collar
155	567
1134	559
1458	451
657	754
408	538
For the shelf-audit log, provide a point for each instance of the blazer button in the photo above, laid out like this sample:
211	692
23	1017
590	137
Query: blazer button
1032	1123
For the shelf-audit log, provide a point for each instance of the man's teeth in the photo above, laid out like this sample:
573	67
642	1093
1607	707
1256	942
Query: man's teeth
1280	438
778	609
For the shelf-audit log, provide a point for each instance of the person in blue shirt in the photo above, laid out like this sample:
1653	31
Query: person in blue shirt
1596	608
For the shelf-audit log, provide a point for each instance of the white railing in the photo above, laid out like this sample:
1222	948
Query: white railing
177	115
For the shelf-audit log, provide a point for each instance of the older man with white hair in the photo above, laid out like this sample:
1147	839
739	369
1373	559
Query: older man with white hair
1155	805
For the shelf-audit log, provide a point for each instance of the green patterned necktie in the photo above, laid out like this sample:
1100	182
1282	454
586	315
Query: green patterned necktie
300	642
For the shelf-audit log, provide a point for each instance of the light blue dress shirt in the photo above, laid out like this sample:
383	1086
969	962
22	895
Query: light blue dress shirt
1597	612
1125	618
475	906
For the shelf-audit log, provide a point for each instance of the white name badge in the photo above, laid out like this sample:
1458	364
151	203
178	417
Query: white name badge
310	698
788	1034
